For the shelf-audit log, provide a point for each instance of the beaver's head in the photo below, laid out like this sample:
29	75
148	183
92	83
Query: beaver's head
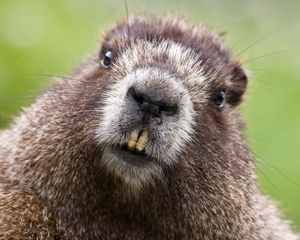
171	97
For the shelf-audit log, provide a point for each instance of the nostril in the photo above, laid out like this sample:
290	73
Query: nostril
151	105
168	110
131	94
150	108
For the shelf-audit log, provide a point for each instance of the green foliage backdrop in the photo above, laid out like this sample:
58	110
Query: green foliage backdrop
49	37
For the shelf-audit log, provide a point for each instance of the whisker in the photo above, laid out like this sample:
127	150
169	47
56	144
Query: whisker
8	99
111	9
267	55
265	175
127	15
96	20
276	169
253	44
261	80
265	70
258	169
257	159
266	139
51	76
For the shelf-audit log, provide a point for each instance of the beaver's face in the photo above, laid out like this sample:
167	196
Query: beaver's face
170	86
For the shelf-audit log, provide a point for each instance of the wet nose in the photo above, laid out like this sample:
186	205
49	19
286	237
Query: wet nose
151	105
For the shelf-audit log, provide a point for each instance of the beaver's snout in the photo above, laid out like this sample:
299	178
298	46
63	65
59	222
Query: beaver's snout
151	106
147	121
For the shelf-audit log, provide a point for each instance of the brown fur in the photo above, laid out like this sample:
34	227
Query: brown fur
52	185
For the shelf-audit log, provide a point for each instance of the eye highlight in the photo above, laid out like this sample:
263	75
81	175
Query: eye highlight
219	99
107	59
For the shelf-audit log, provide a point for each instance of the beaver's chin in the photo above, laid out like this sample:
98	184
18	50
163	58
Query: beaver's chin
136	170
133	158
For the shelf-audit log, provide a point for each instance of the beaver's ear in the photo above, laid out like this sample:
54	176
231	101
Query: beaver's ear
237	85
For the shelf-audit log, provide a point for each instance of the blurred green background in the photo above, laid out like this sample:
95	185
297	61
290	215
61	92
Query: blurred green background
49	37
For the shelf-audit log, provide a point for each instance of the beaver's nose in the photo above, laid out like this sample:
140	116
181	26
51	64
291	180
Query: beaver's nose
151	105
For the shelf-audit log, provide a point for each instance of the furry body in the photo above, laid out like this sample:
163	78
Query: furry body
58	178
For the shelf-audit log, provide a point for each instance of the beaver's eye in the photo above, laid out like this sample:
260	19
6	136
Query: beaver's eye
218	99
107	59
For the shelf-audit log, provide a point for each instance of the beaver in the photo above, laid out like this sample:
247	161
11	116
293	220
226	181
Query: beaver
143	141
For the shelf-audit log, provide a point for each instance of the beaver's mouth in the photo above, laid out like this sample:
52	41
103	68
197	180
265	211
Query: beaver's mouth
133	152
133	158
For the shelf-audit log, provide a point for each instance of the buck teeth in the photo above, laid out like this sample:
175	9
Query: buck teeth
137	141
141	144
132	140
